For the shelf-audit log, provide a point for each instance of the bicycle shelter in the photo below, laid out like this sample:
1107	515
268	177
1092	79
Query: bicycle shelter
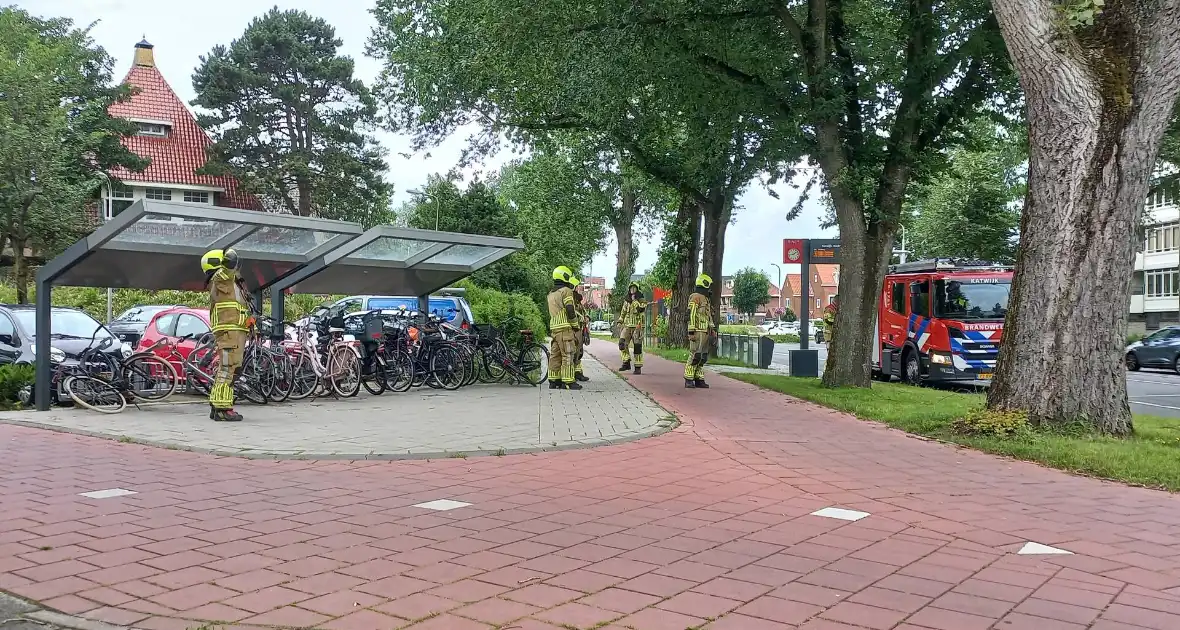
157	245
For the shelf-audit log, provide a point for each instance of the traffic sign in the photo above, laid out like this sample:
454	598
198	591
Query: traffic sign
792	251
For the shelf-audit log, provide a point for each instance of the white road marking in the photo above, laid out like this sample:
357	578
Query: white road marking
1037	549
108	494
1154	405
840	513
442	505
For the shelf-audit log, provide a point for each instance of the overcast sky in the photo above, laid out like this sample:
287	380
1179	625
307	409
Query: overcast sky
183	30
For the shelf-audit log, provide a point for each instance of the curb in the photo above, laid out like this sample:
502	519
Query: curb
35	614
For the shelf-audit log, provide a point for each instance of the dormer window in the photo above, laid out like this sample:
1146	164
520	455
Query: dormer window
154	130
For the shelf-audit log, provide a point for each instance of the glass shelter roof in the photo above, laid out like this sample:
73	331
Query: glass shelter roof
158	245
388	260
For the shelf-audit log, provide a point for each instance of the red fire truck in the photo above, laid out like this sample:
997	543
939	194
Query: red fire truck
941	320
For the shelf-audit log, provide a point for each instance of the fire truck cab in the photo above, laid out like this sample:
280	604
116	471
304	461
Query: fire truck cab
941	320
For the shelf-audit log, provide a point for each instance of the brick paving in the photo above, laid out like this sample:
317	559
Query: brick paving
708	526
481	419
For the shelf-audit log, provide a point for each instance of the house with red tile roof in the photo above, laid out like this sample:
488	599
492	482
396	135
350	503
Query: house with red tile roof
823	287
176	145
730	313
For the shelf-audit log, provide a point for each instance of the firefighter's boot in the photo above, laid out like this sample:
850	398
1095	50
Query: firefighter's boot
226	415
700	384
689	383
574	386
638	369
581	377
626	366
554	384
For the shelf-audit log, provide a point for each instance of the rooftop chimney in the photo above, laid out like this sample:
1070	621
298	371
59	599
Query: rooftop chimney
144	55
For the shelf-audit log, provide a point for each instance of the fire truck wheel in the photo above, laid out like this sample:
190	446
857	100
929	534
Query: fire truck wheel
912	372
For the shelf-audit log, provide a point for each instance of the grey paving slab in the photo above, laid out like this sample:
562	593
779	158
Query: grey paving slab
423	423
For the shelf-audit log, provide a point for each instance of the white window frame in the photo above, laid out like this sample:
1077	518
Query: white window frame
162	194
190	196
111	194
1161	284
152	130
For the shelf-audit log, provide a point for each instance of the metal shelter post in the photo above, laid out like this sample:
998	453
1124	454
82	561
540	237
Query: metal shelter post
278	309
424	308
43	330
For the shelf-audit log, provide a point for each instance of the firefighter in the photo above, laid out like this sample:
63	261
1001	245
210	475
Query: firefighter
701	331
830	322
631	328
581	334
561	322
229	312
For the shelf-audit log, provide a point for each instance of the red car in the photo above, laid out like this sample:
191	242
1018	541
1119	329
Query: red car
173	323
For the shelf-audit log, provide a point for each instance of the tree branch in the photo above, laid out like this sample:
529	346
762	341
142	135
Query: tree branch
675	20
660	171
790	23
963	97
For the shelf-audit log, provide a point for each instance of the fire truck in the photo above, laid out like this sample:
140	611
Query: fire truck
941	320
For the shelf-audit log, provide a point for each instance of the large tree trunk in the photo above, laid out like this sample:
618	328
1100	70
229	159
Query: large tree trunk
688	223
624	227
850	352
20	270
716	214
1098	102
304	188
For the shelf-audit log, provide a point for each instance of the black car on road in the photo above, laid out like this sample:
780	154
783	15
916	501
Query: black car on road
1160	349
71	332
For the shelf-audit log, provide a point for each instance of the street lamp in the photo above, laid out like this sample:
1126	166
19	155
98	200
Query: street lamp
431	197
780	284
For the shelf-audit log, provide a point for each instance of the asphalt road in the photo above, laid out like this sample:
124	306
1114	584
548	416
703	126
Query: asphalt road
1152	392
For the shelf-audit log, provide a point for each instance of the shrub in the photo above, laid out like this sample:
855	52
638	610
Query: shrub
784	338
659	327
1133	337
12	379
490	306
985	422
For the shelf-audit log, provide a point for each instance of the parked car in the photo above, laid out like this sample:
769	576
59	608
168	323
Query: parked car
1160	349
448	304
174	323
71	331
600	325
129	325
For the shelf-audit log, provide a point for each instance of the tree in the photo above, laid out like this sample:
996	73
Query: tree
751	290
290	121
971	209
1099	100
776	82
788	315
56	137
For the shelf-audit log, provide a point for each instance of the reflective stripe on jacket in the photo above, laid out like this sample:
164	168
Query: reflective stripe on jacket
699	315
557	301
228	308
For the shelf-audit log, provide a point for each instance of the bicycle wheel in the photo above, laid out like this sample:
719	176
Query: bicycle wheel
149	377
284	370
399	371
304	379
373	376
446	369
534	363
199	370
94	393
467	356
494	358
344	372
255	377
482	357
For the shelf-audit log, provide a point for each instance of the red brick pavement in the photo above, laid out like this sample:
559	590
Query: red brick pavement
708	526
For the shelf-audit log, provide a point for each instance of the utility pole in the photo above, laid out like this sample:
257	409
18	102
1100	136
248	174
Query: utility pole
780	284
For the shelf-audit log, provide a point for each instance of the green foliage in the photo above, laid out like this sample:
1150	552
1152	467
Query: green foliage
12	379
788	338
992	423
1080	13
659	327
490	306
751	289
1133	337
56	137
972	210
788	315
291	122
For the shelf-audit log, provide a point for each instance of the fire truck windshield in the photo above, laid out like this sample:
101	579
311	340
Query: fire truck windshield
985	298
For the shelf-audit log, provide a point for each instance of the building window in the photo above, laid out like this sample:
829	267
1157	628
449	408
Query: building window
818	303
116	200
831	299
1163	239
192	196
1162	283
159	194
152	129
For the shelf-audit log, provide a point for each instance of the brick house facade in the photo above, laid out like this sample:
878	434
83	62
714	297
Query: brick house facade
824	286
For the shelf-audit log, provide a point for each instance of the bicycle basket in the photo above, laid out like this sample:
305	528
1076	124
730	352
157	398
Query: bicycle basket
487	334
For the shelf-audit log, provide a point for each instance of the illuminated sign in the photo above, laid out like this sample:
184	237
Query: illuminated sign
825	250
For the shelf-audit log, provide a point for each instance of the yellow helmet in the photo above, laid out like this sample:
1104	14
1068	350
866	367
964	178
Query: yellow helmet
216	258
563	274
704	281
575	281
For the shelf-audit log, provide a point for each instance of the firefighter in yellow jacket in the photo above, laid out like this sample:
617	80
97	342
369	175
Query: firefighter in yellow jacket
562	317
701	330
631	328
581	334
229	313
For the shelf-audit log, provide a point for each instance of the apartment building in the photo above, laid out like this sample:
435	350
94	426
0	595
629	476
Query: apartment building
1155	287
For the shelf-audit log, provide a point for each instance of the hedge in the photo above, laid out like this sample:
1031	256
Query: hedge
490	306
